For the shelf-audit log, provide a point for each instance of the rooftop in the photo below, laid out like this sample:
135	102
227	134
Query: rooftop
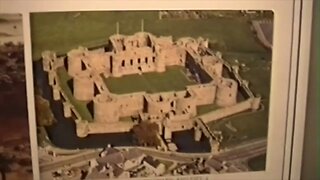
154	163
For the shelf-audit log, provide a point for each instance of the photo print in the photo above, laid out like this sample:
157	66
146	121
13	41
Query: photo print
131	94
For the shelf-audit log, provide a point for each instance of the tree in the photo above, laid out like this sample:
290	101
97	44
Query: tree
146	133
44	114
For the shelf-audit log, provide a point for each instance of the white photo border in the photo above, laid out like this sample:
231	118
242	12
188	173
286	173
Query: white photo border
290	63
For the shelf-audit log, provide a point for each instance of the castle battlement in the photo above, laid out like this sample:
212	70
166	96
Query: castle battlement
173	110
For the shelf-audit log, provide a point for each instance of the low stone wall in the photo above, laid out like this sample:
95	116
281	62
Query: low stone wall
130	104
196	70
84	128
203	93
235	73
179	125
227	111
50	64
215	145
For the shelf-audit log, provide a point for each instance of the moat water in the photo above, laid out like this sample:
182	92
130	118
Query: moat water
63	132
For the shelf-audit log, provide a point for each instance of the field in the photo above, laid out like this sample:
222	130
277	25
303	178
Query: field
62	31
232	36
173	79
249	125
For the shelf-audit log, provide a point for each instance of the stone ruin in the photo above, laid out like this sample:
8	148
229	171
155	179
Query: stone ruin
137	54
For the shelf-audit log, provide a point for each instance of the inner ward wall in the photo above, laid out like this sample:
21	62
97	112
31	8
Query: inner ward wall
137	60
132	104
196	70
227	111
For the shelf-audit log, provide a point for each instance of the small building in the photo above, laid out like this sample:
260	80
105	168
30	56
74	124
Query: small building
113	158
101	168
214	165
95	174
118	172
108	151
154	165
133	158
172	146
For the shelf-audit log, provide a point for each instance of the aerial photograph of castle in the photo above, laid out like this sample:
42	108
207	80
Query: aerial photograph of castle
131	94
15	151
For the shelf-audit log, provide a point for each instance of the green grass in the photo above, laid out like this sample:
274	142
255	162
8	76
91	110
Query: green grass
80	106
259	71
206	108
62	31
172	79
250	125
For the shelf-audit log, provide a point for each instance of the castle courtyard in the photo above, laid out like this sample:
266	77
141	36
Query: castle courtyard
174	78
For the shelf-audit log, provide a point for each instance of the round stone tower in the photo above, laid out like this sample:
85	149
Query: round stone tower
226	92
83	86
47	58
105	109
75	60
74	65
157	104
82	128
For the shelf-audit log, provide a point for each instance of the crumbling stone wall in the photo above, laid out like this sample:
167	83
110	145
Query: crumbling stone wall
203	93
83	86
105	109
130	104
248	104
133	61
227	90
196	70
139	53
74	58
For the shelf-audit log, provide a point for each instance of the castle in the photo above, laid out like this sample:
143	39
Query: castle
137	54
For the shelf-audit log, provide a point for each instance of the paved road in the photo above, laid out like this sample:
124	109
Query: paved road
174	156
244	152
241	152
167	156
86	156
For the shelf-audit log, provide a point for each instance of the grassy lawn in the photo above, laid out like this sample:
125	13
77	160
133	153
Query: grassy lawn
206	108
172	79
62	31
249	125
258	72
79	105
